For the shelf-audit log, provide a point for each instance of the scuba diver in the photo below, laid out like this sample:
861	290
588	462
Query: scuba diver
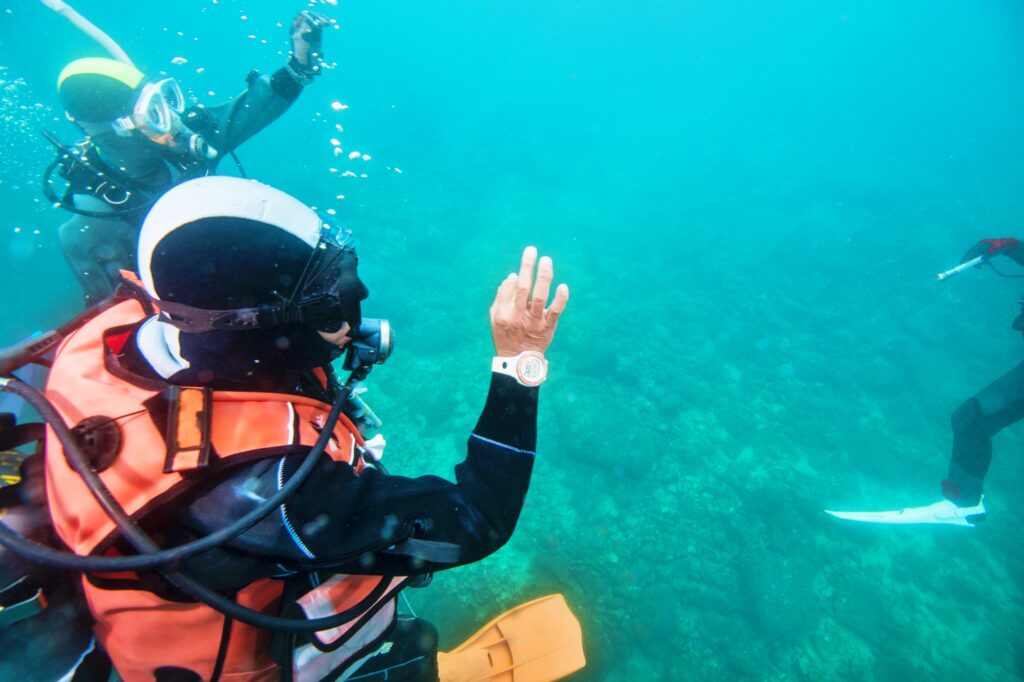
200	410
142	137
974	423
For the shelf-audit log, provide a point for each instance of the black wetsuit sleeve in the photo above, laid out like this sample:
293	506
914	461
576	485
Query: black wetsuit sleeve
376	523
226	126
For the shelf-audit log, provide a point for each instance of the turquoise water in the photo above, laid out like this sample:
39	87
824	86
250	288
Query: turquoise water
749	200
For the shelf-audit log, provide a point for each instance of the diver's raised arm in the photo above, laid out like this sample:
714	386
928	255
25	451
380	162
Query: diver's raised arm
267	97
90	29
428	523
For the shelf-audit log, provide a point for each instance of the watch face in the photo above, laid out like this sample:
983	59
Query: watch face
532	370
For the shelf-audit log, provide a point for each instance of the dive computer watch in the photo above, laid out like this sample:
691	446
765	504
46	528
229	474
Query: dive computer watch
529	368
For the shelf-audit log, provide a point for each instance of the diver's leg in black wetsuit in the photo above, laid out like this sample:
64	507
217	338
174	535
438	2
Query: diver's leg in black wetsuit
995	407
97	249
412	656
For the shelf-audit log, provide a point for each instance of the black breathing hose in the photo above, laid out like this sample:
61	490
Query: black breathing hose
151	555
1000	272
149	560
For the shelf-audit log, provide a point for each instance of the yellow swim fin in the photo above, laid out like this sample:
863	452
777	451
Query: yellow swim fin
539	641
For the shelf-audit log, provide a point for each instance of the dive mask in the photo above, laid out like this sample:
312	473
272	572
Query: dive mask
155	111
328	294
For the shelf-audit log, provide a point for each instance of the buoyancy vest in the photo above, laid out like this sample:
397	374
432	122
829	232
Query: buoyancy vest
165	438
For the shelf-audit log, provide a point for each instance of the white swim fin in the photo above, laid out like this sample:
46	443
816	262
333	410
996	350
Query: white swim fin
943	511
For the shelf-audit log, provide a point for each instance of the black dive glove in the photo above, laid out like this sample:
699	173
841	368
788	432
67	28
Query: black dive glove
306	58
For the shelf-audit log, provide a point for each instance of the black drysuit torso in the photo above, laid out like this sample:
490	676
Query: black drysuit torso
353	524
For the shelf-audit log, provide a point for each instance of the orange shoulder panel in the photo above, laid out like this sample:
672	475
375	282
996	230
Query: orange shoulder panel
81	385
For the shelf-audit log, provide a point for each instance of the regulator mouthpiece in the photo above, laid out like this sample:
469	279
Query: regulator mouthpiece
201	149
371	343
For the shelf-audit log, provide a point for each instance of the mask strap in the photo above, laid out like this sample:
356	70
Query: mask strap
339	252
192	320
300	286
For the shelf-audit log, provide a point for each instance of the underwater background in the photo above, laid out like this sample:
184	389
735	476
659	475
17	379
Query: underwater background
749	200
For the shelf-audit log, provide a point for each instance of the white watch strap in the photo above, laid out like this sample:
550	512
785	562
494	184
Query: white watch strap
504	365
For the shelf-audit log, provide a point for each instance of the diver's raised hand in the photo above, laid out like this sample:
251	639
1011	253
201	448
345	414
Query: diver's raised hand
519	319
307	33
